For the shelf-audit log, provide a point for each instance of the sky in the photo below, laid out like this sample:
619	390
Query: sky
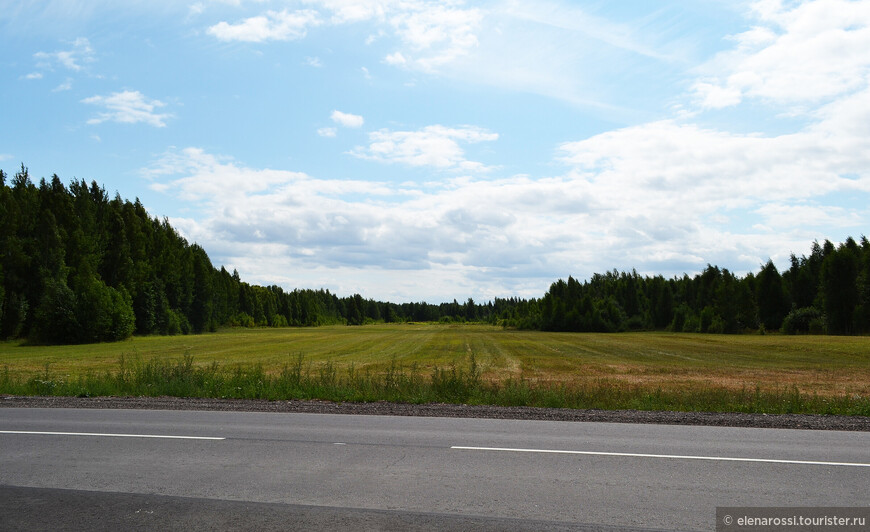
409	150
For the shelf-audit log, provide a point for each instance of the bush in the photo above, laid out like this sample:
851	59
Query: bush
681	313
56	320
175	322
818	326
692	324
636	323
710	322
803	321
242	319
717	325
123	320
99	313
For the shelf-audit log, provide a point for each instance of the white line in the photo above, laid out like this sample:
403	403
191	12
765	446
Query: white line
158	436
672	456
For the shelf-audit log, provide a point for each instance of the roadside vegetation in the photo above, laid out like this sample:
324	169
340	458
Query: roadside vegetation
472	364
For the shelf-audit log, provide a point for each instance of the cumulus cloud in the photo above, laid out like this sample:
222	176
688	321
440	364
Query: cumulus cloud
212	178
694	169
436	146
347	119
73	58
430	33
784	216
678	184
807	53
436	34
128	107
282	25
461	231
328	132
65	86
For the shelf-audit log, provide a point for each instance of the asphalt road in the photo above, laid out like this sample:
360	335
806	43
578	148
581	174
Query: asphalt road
111	469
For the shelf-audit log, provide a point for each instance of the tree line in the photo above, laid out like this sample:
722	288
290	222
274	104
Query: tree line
77	266
827	292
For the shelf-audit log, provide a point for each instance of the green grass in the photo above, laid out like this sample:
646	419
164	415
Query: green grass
464	363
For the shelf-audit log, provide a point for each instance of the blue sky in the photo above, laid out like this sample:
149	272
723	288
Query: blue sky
409	150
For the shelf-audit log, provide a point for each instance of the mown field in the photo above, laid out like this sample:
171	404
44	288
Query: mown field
464	363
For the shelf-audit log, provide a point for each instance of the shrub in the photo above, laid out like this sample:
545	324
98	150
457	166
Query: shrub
802	320
56	319
717	325
692	324
680	314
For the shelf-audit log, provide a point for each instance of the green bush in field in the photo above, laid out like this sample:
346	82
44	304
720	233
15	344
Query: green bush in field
804	320
98	313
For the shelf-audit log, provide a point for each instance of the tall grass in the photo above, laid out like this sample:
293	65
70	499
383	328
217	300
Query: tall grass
457	383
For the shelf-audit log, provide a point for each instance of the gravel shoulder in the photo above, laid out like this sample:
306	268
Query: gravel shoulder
778	421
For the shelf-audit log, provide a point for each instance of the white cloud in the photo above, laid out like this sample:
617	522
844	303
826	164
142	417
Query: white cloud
72	59
195	10
314	62
805	53
213	178
692	171
347	119
713	96
430	33
548	47
436	33
273	25
128	107
5	156
351	11
65	86
329	132
552	48
436	146
666	186
779	216
395	59
362	236
33	75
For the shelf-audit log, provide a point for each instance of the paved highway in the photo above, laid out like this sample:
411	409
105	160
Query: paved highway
105	469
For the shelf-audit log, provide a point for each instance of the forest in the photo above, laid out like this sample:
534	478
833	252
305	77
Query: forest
79	267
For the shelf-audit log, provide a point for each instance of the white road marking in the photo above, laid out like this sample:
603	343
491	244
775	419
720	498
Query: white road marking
671	456
157	436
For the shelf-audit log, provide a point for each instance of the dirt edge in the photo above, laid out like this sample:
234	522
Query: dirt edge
716	419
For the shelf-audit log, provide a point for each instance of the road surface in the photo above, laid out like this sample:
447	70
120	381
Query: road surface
110	469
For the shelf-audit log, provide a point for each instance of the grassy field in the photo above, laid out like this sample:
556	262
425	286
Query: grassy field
471	363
